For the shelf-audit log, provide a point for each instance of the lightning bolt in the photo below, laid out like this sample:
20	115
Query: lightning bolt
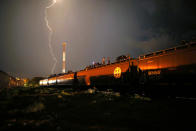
50	36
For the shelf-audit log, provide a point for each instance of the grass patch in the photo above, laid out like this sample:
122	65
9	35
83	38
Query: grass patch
64	109
35	107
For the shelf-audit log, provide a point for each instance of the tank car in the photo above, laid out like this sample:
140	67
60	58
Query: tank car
60	79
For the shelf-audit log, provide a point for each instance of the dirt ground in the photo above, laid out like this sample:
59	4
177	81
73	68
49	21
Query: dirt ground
63	109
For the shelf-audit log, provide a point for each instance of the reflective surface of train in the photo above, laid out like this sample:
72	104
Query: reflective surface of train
168	66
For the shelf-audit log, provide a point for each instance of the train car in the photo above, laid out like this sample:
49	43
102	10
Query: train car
43	82
170	58
52	80
106	75
61	79
171	71
174	62
65	79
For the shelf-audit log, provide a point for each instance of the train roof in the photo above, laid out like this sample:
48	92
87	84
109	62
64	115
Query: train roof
180	47
61	74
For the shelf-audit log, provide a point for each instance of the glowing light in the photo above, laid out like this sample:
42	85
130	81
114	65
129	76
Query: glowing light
52	81
50	35
64	57
43	82
117	72
156	72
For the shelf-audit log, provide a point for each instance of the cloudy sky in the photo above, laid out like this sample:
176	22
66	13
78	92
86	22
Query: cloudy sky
92	29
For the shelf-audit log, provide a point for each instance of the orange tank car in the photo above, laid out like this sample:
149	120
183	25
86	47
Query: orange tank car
114	70
169	58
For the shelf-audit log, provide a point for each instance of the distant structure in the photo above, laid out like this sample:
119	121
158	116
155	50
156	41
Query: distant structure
108	60
7	81
64	56
103	60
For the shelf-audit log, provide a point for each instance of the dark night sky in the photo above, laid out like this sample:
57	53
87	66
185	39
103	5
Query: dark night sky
92	29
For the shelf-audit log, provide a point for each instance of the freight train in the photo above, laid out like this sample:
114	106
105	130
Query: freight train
167	68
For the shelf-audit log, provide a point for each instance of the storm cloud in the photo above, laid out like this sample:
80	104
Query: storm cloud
91	28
